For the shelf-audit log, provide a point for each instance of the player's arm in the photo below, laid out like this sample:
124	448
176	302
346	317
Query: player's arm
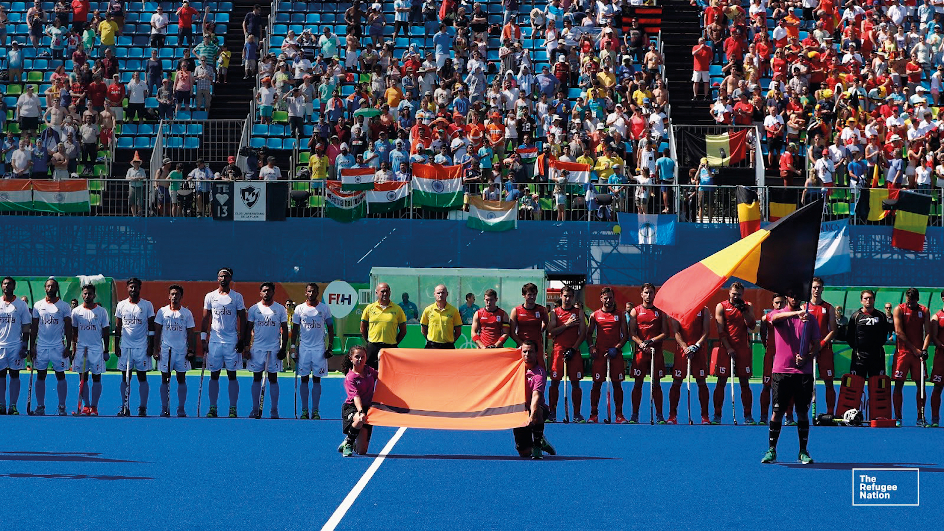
591	330
106	335
247	333
581	331
241	321
26	335
151	329
748	315
34	332
934	327
204	328
634	330
75	338
283	343
67	322
513	326
329	346
295	330
536	397
722	332
900	330
624	331
156	345
764	330
364	324
477	331
665	328
677	333
424	325
831	330
117	337
505	331
927	336
456	326
401	330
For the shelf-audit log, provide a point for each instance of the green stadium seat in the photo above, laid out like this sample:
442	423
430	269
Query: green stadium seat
280	117
839	209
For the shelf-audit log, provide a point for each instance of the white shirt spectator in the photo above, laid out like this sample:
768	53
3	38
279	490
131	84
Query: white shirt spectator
28	106
137	91
270	174
159	22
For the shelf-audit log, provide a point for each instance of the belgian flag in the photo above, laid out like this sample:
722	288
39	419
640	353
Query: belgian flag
782	202
871	204
911	220
748	210
779	258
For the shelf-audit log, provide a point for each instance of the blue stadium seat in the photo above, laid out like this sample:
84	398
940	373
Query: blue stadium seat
125	142
257	142
146	129
143	142
174	142
184	115
289	143
191	143
199	115
194	129
260	130
129	129
274	143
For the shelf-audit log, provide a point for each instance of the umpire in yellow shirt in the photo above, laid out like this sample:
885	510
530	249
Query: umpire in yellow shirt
383	324
441	322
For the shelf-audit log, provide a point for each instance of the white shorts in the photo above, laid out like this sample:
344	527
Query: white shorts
51	355
10	359
312	362
93	362
140	359
222	355
179	363
257	361
700	76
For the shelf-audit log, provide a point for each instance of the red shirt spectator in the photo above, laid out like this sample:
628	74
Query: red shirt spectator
80	10
733	49
702	55
743	112
637	126
185	16
96	93
116	94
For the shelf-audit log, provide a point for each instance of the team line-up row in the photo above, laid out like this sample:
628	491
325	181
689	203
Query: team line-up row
52	334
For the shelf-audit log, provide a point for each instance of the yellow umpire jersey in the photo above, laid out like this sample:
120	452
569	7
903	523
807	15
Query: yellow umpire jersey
382	323
440	323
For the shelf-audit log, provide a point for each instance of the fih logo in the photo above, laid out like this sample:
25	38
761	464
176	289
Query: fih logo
249	196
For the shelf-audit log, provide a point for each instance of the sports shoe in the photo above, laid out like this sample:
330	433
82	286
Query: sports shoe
749	421
61	411
3	409
594	419
315	415
93	411
935	423
273	413
578	419
550	420
705	421
123	412
254	415
347	449
922	424
536	453
770	456
232	412
897	423
12	410
672	420
620	419
40	411
633	420
546	446
181	413
142	411
305	415
86	410
660	420
805	458
341	446
762	422
716	419
789	421
212	414
165	412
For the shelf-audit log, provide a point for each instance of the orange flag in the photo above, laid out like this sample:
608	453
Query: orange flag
465	389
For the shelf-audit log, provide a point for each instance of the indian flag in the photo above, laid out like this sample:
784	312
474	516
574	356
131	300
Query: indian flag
437	186
70	196
15	195
388	197
576	173
354	179
492	216
529	155
727	149
343	206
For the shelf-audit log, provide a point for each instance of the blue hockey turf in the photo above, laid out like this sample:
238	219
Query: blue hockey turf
156	473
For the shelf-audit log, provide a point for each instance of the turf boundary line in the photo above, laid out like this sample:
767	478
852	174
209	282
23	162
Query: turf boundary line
342	509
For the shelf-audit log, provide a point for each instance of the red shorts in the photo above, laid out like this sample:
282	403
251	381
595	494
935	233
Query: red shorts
643	360
768	365
826	363
905	363
574	367
937	370
617	366
699	365
743	362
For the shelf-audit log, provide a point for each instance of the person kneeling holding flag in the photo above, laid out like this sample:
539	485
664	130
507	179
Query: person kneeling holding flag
796	340
359	382
529	439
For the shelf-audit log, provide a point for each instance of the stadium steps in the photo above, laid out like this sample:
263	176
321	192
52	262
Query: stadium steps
232	99
681	20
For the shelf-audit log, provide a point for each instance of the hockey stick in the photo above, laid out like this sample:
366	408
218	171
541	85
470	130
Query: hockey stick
265	377
170	375
296	384
29	392
606	378
922	391
813	401
126	400
203	367
689	385
78	410
733	408
566	404
652	383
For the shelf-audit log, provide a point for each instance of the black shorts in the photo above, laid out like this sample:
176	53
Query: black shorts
29	123
347	419
433	344
373	353
775	143
797	388
867	365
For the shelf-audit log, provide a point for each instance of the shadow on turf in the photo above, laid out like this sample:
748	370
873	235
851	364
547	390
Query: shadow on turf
70	476
495	457
79	457
924	467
